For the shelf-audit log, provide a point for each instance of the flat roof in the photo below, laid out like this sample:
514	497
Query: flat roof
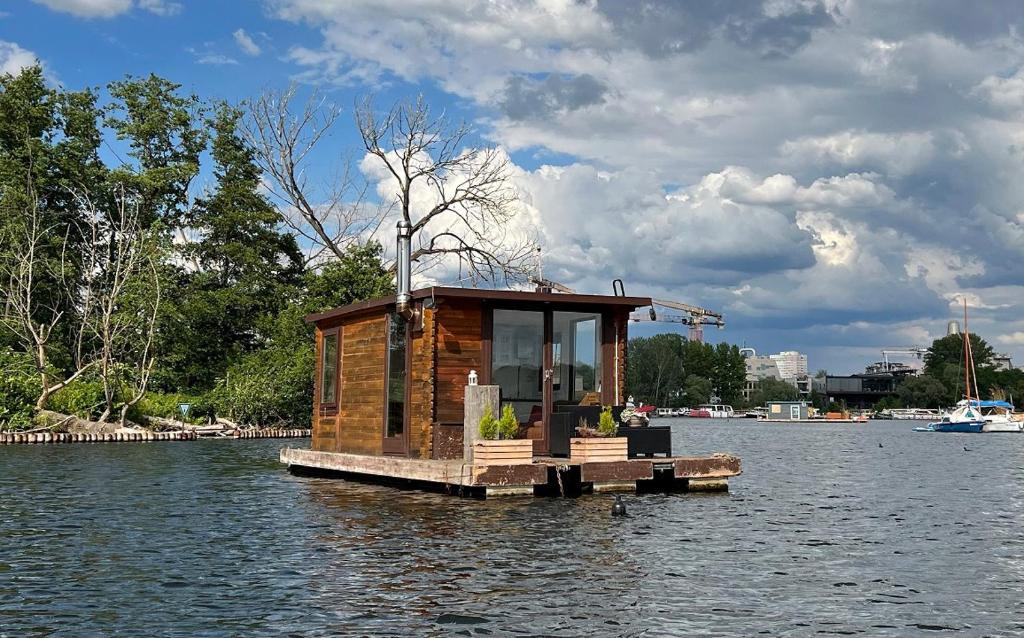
483	294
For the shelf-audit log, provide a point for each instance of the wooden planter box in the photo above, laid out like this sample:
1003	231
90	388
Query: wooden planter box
506	452
598	449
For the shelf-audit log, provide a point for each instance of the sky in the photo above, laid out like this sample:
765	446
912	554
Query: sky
833	176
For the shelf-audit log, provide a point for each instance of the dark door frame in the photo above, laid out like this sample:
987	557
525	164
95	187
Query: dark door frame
542	446
397	445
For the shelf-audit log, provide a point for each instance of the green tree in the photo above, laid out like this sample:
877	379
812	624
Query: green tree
49	151
654	367
730	373
245	273
275	383
772	389
949	351
162	130
923	392
696	390
888	403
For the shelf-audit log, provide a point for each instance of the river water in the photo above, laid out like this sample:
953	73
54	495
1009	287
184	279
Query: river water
832	529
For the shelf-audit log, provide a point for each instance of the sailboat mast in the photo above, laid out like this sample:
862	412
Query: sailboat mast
967	355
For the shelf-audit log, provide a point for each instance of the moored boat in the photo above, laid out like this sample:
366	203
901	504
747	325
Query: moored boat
965	418
999	416
715	410
968	416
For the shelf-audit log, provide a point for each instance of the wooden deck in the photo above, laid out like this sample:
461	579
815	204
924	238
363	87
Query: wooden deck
544	475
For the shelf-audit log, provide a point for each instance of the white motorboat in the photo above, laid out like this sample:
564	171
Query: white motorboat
716	410
998	416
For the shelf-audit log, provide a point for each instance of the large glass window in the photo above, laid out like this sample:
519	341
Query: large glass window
396	375
329	369
517	362
576	354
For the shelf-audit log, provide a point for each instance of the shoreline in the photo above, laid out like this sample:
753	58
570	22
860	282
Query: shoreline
27	438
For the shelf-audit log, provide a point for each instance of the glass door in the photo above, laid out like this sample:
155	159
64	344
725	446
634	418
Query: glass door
518	356
576	354
396	437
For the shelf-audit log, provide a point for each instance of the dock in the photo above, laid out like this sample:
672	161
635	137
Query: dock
544	476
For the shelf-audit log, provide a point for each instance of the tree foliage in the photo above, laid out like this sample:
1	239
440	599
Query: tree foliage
923	392
772	389
128	287
659	368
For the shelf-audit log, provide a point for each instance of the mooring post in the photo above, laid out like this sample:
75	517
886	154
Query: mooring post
478	398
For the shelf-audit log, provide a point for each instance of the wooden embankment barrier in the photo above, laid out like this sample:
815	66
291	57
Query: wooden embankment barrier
272	433
12	438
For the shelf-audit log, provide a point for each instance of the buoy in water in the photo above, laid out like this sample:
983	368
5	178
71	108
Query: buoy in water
618	508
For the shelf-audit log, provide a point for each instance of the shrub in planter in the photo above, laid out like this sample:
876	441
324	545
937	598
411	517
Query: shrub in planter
489	426
497	444
508	426
599	445
606	424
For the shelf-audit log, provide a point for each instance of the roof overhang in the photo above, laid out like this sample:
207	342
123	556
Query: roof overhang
498	296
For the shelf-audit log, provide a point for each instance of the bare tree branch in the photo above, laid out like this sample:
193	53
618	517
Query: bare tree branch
283	138
473	199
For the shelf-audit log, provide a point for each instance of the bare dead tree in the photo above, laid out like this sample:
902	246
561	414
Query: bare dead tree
459	200
337	215
121	276
31	315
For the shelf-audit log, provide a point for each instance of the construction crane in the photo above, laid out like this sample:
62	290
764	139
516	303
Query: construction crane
696	317
911	350
546	284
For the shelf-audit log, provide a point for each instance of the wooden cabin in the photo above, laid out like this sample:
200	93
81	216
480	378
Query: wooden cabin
390	374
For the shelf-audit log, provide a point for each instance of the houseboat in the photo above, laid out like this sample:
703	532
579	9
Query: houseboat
391	386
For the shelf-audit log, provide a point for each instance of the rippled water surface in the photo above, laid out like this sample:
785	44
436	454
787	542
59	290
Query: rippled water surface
832	529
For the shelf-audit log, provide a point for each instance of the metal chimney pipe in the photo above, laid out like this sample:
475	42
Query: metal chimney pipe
403	298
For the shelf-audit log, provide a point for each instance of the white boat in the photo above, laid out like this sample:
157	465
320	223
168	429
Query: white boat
914	414
717	410
972	414
998	416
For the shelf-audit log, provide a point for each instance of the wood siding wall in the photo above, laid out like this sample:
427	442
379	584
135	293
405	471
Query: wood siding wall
358	427
442	354
325	431
459	350
421	395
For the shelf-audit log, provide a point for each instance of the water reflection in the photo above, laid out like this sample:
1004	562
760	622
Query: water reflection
826	532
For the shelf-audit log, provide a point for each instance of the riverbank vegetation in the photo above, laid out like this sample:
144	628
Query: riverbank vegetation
941	382
157	248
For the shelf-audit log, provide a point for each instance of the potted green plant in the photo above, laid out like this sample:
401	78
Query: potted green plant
497	444
599	444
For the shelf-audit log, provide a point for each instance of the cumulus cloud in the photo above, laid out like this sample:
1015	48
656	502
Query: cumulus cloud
524	98
13	58
898	153
1006	93
110	8
246	43
89	8
161	7
797	162
207	56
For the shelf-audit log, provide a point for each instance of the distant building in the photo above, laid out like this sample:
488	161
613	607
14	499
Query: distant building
865	390
792	364
1002	362
789	366
892	366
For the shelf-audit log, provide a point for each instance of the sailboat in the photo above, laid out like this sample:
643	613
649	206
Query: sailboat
967	417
